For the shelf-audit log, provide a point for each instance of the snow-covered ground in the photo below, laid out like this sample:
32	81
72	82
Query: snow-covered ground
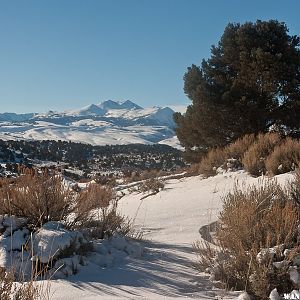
170	221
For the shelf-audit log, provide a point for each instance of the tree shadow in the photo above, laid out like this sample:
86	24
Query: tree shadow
165	270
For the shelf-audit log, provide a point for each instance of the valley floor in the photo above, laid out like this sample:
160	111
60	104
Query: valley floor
170	222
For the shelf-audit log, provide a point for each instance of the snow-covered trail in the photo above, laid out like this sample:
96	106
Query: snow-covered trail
170	221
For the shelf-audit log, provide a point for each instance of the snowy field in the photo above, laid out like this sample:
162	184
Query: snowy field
108	123
170	222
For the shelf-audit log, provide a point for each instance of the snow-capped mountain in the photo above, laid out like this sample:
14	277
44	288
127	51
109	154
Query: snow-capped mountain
109	122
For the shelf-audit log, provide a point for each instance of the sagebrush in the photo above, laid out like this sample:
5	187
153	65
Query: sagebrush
253	220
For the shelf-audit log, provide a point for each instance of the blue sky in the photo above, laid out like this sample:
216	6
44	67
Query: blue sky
64	54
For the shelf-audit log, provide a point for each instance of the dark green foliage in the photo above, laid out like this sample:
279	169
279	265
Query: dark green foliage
250	82
88	158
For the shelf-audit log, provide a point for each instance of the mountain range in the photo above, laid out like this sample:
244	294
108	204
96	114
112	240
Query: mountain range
107	123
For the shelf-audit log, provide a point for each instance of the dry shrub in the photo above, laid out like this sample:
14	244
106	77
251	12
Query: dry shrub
92	198
219	157
95	211
144	175
37	196
254	218
284	157
237	149
41	197
215	158
254	158
153	185
106	180
256	154
206	253
192	170
263	215
149	174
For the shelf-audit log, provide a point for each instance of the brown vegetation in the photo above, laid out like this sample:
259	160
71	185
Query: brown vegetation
238	148
284	158
41	197
268	153
19	291
152	185
256	155
37	196
253	219
214	159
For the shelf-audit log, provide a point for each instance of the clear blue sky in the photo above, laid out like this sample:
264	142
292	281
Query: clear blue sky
63	54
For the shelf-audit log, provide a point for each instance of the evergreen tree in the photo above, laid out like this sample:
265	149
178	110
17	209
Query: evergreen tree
250	83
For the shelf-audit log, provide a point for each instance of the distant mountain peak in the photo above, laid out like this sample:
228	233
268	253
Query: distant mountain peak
89	110
110	104
110	122
129	105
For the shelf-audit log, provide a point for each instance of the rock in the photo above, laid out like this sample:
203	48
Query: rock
274	295
52	225
294	275
119	242
67	266
134	250
296	260
14	241
101	260
269	253
280	264
100	247
244	296
13	222
51	239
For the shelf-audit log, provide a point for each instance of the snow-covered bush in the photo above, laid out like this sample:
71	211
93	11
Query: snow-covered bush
257	242
53	251
46	228
15	264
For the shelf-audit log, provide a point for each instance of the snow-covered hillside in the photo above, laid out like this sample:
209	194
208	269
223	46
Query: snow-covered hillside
109	122
170	221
